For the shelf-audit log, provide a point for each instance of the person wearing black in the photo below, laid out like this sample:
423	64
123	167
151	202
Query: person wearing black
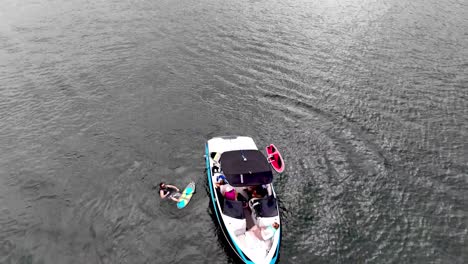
167	190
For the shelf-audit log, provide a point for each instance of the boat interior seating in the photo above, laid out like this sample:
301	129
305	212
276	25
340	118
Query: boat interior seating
268	207
254	204
263	208
233	209
235	216
240	226
266	221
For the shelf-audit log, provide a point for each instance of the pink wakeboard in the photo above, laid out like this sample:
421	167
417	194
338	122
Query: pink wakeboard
274	158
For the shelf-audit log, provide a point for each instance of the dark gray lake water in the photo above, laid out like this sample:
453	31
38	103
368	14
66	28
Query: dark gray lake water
100	100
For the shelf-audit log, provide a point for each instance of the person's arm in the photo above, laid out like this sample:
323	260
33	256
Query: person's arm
173	187
222	188
162	195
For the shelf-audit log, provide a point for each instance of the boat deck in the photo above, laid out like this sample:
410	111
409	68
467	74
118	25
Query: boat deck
248	218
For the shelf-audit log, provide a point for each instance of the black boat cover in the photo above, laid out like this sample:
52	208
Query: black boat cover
246	167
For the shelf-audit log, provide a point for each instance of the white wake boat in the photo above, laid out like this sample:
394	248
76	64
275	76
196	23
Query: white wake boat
245	219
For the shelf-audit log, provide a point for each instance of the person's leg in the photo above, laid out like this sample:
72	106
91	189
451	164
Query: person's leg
256	231
175	196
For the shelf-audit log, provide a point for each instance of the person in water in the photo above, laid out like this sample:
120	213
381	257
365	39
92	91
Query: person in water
167	190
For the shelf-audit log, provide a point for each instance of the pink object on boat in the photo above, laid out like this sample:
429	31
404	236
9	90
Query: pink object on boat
274	158
230	195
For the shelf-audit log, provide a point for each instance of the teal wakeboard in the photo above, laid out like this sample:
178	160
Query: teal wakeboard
186	195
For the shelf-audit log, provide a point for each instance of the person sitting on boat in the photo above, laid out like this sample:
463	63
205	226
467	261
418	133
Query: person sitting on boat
265	232
258	191
167	190
226	189
221	178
